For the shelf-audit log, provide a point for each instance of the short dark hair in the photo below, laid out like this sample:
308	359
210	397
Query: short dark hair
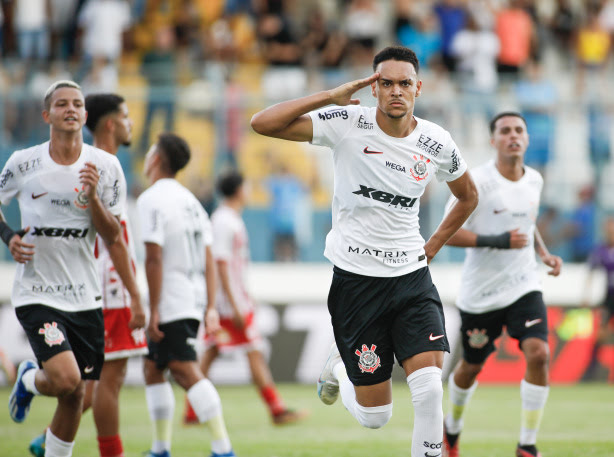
55	86
98	106
175	151
396	53
494	120
229	183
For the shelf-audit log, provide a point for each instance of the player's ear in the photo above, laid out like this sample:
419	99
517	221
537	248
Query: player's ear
418	88
45	115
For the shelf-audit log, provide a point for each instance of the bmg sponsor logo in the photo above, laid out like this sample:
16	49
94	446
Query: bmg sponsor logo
8	174
333	114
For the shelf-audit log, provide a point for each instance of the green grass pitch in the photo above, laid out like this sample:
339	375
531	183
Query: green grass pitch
579	421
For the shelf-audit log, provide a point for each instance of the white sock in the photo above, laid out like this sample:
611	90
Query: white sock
207	405
55	447
28	380
161	406
458	398
426	396
346	388
533	402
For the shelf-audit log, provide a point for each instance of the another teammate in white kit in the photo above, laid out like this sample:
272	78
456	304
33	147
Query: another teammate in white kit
238	326
382	301
67	192
181	277
501	283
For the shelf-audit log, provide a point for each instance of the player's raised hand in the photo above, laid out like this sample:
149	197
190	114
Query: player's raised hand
88	176
342	95
518	240
22	252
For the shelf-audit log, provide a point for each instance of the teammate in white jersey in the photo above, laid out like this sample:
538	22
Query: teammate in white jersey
500	280
124	318
181	277
233	302
67	191
382	301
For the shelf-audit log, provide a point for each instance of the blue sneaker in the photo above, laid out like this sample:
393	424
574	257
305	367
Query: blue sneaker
37	446
227	454
328	386
20	398
158	454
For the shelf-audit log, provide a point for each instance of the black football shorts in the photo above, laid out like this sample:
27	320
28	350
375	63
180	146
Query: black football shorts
524	318
376	319
51	331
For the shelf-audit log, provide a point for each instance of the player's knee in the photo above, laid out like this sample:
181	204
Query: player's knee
373	416
538	356
469	370
426	387
68	383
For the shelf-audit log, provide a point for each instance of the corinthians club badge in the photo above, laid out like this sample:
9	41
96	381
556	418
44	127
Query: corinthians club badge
420	170
368	360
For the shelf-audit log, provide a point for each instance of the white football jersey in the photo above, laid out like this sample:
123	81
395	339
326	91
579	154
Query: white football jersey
171	217
379	180
114	293
62	273
231	245
495	278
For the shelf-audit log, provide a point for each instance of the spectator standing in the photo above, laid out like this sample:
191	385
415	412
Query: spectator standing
452	19
514	27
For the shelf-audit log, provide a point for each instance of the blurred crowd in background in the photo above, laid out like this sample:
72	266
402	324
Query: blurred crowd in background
201	68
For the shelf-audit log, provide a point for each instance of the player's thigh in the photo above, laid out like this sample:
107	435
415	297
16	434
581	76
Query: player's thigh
419	322
362	328
527	318
86	335
478	334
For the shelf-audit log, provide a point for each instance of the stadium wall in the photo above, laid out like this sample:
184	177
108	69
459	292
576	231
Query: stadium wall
295	326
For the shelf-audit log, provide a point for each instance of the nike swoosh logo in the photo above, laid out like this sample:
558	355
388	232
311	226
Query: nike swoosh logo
434	338
528	324
34	197
88	370
498	211
366	151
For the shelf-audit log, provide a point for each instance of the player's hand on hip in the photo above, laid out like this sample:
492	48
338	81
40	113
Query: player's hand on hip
518	240
21	251
88	177
554	262
342	95
212	321
137	314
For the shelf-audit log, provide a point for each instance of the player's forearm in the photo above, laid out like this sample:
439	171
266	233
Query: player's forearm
226	287
210	276
121	261
463	239
106	223
276	118
450	224
153	272
540	246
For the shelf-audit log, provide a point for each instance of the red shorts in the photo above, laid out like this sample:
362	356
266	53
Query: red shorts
120	341
230	337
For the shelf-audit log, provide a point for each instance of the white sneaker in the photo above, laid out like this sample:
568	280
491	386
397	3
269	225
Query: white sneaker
328	386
